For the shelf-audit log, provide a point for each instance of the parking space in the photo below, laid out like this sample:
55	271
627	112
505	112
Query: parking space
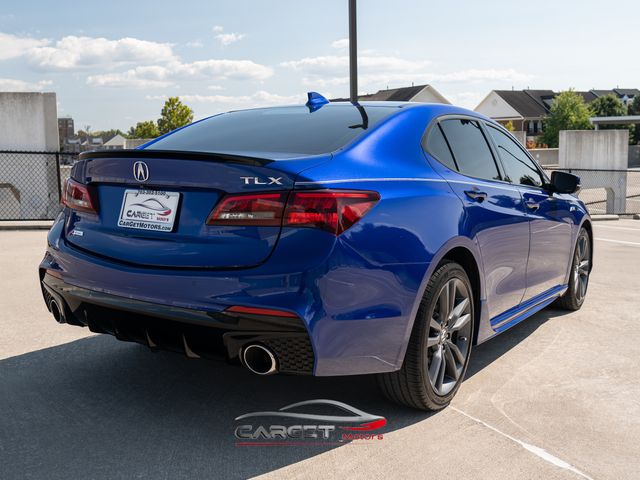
557	396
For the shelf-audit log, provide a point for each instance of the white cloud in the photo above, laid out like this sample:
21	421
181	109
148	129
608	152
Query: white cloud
12	85
195	44
226	39
377	71
215	87
164	75
465	99
337	64
12	46
73	52
340	44
226	102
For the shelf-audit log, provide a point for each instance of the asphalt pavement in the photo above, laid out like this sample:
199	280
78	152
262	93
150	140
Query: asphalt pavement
557	396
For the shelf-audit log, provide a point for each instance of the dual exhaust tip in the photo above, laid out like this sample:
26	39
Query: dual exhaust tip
259	359
57	311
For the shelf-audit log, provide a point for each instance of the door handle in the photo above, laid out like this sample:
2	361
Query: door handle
531	205
476	195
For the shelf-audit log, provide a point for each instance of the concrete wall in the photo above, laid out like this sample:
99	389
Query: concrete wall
545	156
28	121
599	150
594	149
28	183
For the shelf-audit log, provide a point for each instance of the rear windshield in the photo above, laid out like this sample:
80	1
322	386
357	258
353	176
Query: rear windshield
285	130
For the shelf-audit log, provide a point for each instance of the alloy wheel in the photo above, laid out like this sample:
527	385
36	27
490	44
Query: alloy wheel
581	267
449	336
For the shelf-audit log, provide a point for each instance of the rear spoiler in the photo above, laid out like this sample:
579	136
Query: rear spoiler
177	155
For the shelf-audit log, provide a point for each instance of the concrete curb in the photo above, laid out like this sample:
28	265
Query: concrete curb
597	218
26	225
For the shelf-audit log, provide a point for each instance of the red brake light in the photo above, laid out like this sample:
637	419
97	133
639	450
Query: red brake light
261	209
77	196
331	210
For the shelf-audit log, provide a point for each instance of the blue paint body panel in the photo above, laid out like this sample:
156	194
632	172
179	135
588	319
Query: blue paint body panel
357	293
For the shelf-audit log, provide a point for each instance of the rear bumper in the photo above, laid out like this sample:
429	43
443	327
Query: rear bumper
356	313
195	333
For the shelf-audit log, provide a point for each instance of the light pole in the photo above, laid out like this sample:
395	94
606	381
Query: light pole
353	53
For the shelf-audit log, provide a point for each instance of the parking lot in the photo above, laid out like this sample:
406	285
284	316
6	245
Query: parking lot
557	396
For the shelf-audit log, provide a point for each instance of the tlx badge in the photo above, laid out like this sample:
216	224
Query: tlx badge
258	181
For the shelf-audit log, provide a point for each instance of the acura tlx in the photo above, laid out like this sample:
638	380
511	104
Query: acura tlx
330	238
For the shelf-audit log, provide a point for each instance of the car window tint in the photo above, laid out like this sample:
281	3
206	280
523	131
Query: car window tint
519	168
438	148
285	130
470	148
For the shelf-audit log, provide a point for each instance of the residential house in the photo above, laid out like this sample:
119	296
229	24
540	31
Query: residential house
414	93
526	109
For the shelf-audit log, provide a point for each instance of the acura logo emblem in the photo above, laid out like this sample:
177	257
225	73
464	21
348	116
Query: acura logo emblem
141	171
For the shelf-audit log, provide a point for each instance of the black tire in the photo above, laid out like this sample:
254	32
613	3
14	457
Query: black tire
574	297
412	385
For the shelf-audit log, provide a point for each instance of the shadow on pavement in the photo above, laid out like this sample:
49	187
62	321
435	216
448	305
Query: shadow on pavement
100	408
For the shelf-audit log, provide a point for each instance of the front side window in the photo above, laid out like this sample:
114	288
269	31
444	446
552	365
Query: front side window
519	168
470	148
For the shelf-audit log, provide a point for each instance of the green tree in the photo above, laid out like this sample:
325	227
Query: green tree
568	112
174	115
509	126
634	109
609	106
146	129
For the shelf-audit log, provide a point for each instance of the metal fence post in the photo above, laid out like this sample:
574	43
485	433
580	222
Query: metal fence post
58	176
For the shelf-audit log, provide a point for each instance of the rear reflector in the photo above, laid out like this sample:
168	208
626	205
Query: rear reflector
332	210
260	311
77	196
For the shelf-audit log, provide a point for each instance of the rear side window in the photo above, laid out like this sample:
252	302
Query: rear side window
470	148
284	130
517	164
438	148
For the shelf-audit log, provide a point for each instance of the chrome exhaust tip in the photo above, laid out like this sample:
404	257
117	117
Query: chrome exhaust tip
56	311
259	359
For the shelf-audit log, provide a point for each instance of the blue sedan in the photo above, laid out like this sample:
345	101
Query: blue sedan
322	239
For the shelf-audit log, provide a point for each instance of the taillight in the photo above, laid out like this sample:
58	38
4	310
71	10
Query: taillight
332	210
261	209
77	196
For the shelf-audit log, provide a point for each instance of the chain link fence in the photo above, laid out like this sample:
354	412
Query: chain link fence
30	183
608	191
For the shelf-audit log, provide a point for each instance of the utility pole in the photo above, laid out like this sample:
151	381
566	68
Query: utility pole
353	53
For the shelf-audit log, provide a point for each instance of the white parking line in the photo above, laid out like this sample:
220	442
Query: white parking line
539	452
620	228
635	244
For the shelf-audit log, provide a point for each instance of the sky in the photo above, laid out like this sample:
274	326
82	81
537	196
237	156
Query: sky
113	63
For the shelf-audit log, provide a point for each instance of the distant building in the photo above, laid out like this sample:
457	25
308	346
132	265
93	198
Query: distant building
118	142
66	130
417	93
525	109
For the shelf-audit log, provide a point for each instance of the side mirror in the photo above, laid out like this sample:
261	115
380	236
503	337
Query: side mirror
563	182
